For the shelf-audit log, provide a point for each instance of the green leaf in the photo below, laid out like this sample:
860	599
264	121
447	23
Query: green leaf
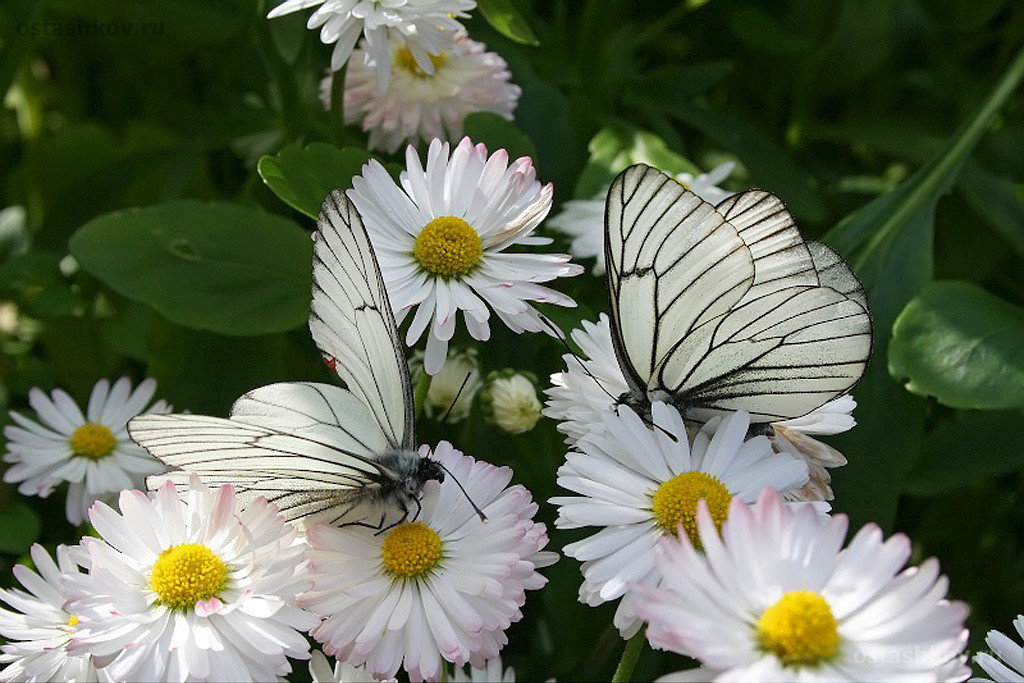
19	527
303	176
617	146
889	243
34	277
995	198
962	345
214	266
665	86
966	449
506	19
498	133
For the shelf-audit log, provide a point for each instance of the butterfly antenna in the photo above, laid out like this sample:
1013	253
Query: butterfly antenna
457	394
476	508
560	336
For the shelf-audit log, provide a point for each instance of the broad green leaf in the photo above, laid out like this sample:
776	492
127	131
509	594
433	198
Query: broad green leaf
506	19
962	345
303	176
966	449
617	146
498	133
889	243
214	266
19	527
769	165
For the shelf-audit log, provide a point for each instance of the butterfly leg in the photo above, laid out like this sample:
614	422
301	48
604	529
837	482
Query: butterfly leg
405	516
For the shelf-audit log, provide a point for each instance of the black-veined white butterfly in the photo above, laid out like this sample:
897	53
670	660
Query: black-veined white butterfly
721	308
317	450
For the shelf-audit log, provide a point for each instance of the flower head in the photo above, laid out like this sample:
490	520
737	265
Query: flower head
775	596
441	237
38	631
195	589
639	484
417	105
426	27
443	586
510	401
583	219
92	451
582	395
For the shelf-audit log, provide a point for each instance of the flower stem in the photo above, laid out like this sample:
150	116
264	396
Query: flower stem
634	646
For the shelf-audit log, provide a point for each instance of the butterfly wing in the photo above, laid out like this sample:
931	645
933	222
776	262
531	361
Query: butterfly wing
833	272
352	323
673	263
306	447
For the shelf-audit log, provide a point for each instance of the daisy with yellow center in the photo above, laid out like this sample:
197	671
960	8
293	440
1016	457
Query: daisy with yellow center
195	586
777	597
428	95
440	239
459	581
638	485
90	450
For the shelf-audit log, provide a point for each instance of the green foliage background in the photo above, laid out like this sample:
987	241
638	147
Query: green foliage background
180	164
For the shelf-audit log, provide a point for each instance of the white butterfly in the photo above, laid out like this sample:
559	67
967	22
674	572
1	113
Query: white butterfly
317	450
721	308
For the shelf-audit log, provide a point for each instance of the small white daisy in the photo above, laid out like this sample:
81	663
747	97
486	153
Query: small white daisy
441	237
192	589
38	631
92	452
583	219
491	672
509	400
321	671
428	27
640	484
580	398
1005	662
420	106
453	388
775	596
443	587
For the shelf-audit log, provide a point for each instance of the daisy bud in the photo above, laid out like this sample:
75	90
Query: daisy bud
444	391
510	401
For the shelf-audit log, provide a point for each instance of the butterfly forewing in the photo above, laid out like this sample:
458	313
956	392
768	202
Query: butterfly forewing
352	322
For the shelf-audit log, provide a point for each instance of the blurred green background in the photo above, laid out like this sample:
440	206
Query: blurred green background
890	127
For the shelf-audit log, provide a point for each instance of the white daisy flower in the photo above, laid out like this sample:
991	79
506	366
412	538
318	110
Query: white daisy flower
1005	662
92	452
640	484
321	671
453	388
491	672
427	27
583	219
510	401
191	590
581	397
440	241
38	631
421	106
776	597
442	588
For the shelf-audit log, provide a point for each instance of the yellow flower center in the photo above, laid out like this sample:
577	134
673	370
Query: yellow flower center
72	620
675	502
92	440
411	550
185	574
448	247
799	629
405	60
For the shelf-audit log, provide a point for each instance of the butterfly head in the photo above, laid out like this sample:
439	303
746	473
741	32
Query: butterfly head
429	470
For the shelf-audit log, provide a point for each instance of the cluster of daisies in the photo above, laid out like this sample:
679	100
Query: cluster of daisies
715	544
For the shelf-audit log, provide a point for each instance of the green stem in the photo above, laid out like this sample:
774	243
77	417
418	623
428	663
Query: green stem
635	645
